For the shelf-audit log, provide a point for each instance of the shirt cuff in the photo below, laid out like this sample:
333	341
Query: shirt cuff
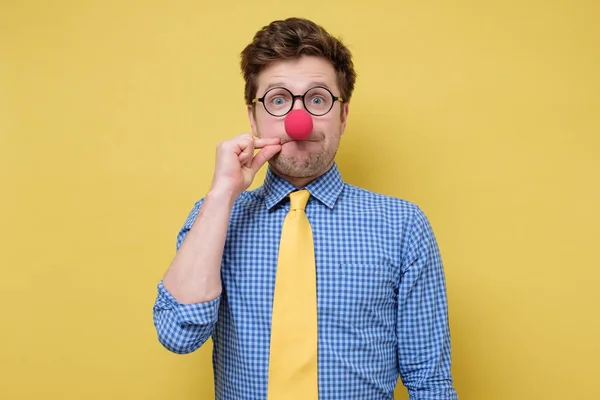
188	314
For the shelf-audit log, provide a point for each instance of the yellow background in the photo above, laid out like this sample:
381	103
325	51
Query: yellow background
485	113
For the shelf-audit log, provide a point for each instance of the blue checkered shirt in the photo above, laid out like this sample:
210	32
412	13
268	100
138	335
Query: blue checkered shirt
381	295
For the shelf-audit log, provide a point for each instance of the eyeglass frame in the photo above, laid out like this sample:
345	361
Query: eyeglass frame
298	96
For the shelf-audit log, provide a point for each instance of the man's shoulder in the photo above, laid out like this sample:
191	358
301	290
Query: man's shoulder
250	197
395	211
246	199
362	197
249	201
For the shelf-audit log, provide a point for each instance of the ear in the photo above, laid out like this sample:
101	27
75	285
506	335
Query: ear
344	117
252	119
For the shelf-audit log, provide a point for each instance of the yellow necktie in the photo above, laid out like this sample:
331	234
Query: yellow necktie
293	356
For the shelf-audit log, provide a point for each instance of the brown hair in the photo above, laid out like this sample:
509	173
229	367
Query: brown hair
290	39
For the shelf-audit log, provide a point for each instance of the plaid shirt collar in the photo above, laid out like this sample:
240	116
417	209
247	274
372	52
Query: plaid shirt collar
326	188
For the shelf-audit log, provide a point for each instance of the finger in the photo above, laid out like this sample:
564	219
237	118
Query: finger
260	143
264	155
245	156
244	147
243	142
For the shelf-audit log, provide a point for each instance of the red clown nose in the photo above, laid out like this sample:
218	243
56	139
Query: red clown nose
298	124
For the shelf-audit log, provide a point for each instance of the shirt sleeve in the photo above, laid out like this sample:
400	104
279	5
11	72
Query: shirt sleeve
424	356
183	328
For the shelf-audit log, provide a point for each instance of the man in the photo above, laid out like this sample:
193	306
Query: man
377	307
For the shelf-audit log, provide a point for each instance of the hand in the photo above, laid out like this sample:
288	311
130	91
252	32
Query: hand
236	164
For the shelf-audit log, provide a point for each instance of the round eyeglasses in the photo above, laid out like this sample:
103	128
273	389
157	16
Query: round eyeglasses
279	101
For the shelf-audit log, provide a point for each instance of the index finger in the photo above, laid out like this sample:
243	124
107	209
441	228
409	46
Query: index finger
262	142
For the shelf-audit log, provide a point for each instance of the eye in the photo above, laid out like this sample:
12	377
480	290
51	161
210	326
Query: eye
317	100
278	101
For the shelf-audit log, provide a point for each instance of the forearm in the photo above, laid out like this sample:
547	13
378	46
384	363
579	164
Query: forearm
195	273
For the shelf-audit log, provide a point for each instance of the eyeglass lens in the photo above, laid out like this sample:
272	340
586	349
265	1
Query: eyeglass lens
318	101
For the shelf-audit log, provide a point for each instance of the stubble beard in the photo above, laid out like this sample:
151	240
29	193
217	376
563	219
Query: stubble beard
314	165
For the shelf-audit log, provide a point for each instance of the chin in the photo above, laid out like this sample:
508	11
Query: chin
291	167
305	166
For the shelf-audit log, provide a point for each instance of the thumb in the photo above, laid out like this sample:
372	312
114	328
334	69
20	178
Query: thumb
264	155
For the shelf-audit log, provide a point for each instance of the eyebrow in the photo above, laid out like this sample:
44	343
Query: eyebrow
284	85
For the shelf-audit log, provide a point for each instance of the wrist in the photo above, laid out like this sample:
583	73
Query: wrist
222	196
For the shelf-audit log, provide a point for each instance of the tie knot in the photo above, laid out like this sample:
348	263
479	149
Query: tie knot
299	199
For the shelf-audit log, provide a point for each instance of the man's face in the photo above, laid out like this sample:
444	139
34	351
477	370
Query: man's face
312	157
